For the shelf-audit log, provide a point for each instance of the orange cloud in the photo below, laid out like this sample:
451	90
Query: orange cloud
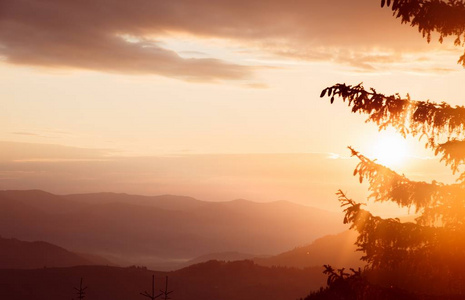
88	33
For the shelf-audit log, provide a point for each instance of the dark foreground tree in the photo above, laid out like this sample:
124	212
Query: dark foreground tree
425	257
81	291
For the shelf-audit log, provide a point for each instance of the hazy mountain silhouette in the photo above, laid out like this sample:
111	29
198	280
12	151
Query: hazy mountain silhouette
15	254
336	250
170	202
152	231
229	256
208	281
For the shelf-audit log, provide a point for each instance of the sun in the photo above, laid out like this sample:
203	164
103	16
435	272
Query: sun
390	149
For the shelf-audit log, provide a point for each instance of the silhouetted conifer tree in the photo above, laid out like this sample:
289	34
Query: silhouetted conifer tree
81	291
166	292
152	295
428	255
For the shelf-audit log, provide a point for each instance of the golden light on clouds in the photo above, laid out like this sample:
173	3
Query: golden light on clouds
157	78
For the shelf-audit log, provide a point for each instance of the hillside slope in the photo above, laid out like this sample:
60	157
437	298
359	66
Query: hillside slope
15	254
208	281
336	250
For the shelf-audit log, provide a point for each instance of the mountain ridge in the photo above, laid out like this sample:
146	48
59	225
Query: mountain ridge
16	254
169	228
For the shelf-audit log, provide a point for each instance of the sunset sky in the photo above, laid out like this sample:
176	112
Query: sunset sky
212	99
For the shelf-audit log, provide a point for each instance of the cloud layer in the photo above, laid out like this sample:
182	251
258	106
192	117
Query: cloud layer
89	33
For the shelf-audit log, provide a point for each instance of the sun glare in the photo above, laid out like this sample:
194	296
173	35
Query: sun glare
390	150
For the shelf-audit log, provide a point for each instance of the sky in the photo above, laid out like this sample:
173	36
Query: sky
213	99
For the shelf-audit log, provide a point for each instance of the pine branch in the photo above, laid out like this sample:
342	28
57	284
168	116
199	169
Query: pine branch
417	118
387	185
437	202
388	243
447	18
406	115
453	154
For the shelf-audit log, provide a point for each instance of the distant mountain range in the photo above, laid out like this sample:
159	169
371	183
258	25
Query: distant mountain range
289	275
161	230
286	276
336	250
